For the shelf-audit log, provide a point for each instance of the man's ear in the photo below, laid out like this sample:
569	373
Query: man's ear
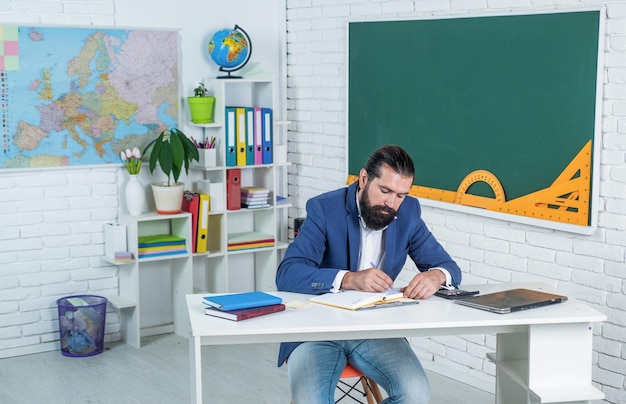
362	178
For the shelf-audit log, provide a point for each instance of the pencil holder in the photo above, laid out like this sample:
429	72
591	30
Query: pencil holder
208	158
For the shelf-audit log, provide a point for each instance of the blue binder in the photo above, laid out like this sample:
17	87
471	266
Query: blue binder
231	138
267	136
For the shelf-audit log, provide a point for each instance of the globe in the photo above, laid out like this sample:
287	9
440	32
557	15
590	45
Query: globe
230	49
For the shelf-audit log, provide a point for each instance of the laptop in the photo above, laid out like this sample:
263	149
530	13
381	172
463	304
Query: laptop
512	300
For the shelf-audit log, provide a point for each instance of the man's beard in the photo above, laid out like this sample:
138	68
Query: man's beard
375	217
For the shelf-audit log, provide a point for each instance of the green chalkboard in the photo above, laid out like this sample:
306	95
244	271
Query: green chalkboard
512	94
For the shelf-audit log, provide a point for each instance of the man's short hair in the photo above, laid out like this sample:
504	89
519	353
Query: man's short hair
393	156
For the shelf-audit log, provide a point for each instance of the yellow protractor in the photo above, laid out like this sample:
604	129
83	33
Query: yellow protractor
565	200
463	198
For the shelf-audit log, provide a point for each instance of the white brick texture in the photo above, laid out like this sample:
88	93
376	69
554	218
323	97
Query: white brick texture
591	268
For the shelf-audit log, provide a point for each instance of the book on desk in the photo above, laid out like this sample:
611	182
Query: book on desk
235	301
358	300
244	314
241	306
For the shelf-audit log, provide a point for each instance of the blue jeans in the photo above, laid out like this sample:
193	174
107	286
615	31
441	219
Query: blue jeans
314	369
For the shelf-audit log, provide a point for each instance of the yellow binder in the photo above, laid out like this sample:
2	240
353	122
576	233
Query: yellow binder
203	224
241	136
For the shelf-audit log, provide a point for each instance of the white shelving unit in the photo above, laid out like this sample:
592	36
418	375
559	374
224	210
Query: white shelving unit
152	290
149	310
220	270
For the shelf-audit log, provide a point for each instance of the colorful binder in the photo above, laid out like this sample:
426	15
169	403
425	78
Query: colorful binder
203	223
233	189
258	136
267	136
231	142
249	136
191	204
241	135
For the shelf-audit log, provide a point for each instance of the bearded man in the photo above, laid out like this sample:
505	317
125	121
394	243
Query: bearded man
358	238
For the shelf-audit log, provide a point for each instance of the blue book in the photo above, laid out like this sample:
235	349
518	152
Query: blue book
236	301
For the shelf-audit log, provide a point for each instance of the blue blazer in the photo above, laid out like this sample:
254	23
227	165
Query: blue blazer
329	241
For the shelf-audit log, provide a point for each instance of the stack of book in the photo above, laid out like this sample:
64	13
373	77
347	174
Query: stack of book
242	306
123	257
160	245
254	197
249	239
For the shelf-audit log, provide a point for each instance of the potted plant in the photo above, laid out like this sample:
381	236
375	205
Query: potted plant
201	105
173	150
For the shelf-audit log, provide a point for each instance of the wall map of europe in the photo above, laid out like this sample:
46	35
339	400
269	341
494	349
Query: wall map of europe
78	96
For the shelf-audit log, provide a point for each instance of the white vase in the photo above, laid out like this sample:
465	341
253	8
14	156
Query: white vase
135	196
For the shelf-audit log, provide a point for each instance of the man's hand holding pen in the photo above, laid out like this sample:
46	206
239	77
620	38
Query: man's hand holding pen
367	280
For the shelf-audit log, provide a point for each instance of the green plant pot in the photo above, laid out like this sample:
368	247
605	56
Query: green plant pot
201	109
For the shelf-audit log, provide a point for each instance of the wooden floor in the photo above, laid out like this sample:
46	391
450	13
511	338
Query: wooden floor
158	373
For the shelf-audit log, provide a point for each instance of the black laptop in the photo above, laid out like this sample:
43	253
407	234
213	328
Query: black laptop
511	300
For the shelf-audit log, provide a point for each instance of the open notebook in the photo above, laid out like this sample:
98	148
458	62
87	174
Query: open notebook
357	300
511	300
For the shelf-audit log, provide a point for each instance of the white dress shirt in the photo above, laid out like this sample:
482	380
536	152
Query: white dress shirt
372	253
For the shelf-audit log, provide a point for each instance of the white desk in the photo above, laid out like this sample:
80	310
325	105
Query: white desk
542	355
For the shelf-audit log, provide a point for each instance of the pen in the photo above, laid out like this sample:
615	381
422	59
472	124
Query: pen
373	265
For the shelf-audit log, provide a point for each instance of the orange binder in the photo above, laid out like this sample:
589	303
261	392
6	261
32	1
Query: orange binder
233	189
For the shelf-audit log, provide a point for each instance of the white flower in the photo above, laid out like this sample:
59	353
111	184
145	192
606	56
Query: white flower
132	160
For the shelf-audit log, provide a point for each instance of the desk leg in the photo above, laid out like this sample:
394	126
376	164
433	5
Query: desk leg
560	363
195	375
548	363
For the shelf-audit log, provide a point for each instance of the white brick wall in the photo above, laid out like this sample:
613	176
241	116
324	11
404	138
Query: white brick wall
51	220
51	239
590	268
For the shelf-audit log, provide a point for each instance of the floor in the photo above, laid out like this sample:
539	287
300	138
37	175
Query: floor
158	373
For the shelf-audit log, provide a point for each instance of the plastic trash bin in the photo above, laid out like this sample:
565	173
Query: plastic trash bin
81	324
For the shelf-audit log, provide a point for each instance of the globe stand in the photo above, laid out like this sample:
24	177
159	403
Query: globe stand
230	76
